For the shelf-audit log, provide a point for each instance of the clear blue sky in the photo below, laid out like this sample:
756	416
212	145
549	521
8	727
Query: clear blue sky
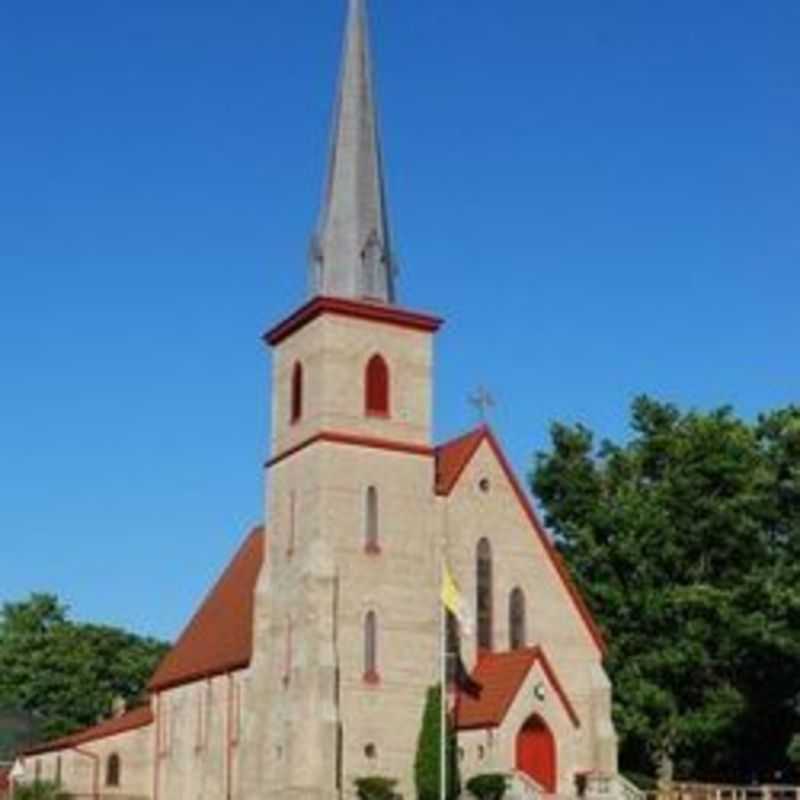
601	198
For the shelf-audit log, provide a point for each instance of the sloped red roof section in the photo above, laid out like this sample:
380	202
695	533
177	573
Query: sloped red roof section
219	637
452	459
500	676
137	718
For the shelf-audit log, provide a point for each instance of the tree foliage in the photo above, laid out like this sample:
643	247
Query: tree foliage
686	542
18	730
65	673
428	761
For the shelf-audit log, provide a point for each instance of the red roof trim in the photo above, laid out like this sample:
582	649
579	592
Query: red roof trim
447	486
389	315
548	670
353	439
138	718
492	716
223	668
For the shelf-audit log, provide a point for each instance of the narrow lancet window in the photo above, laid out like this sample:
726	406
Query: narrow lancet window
297	393
371	647
516	619
377	387
113	770
372	531
483	594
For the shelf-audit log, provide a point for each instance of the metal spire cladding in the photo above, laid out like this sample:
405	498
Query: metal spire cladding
351	250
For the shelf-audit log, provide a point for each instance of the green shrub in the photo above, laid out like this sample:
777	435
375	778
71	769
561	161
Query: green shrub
489	786
376	787
41	790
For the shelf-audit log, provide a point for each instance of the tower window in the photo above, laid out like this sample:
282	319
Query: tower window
483	595
112	770
377	387
297	393
371	648
516	619
372	531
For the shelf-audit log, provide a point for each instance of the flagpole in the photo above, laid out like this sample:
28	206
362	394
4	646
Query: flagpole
443	677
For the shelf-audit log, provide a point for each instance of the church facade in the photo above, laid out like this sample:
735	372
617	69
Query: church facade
307	665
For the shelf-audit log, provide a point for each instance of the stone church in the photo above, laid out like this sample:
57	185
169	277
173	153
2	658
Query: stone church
307	664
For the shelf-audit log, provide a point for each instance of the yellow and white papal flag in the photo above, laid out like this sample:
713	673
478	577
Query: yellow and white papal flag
455	602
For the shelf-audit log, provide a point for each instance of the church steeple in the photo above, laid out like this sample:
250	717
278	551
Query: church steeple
351	253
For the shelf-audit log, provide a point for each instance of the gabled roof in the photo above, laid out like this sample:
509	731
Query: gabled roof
219	637
137	718
501	676
452	459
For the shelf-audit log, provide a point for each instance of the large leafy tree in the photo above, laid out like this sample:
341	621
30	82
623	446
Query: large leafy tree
686	541
65	673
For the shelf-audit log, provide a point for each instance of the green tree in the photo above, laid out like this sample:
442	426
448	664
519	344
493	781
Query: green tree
18	730
428	761
686	542
65	673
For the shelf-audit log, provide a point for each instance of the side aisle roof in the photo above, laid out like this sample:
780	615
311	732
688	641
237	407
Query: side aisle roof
219	637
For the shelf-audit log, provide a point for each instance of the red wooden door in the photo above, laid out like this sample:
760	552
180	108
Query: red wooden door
536	753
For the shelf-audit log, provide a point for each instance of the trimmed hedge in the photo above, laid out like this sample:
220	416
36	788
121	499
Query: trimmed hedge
489	786
376	787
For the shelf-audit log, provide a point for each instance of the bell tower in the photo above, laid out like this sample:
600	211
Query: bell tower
346	638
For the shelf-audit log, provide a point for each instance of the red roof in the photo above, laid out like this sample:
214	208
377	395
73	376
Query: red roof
452	459
501	676
138	718
220	636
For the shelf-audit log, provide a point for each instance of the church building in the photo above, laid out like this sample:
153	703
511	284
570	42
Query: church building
308	663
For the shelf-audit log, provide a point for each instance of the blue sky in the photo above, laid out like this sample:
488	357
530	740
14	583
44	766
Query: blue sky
601	199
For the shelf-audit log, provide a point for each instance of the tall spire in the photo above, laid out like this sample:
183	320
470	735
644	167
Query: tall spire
351	249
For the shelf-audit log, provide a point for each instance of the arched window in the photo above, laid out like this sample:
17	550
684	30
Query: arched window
483	595
297	392
112	770
377	387
516	619
371	529
371	647
452	648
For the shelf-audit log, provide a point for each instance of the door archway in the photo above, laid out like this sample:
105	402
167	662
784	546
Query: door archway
536	753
